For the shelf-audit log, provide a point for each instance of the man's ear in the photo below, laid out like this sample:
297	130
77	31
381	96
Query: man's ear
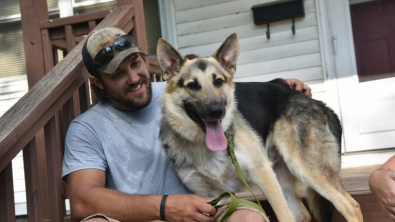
228	53
96	81
170	60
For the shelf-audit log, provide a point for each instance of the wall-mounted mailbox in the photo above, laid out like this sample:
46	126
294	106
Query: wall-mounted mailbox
277	11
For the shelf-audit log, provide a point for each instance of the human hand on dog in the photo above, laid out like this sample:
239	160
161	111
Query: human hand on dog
382	185
190	207
298	85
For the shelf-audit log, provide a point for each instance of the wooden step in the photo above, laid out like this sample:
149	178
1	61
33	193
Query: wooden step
355	180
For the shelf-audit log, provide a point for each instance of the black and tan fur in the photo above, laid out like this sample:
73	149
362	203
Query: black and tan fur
285	137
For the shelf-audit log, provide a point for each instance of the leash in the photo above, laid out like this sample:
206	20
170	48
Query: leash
232	154
234	202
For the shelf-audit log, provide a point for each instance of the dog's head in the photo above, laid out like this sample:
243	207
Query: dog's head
199	97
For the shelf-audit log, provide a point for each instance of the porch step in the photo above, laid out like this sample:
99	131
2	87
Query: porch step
355	180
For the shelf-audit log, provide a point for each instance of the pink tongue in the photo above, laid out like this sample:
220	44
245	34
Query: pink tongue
215	137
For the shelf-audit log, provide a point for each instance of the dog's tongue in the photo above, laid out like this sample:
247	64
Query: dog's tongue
215	137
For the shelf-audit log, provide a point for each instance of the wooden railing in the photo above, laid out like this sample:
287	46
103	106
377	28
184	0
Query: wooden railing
38	122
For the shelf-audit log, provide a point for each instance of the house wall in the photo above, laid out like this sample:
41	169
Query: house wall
201	26
315	55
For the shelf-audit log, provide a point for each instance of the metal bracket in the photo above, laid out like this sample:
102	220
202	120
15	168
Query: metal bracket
293	26
334	44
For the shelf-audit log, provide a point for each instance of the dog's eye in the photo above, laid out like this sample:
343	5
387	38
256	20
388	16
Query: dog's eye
218	82
193	86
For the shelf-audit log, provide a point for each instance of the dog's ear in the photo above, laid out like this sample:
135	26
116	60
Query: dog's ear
170	60
228	53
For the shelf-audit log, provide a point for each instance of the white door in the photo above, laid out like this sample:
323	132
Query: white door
367	104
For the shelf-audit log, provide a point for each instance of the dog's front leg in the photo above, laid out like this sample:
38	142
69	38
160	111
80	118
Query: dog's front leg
200	184
266	180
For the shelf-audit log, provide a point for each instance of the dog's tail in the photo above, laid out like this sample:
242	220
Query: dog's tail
320	207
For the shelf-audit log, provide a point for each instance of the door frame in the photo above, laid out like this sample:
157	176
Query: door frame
168	21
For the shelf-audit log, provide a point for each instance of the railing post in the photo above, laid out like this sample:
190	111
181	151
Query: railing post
7	204
54	168
35	166
138	32
71	43
32	13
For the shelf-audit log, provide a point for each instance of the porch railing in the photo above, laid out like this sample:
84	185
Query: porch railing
38	122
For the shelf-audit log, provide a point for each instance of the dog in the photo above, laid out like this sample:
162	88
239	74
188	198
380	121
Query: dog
282	139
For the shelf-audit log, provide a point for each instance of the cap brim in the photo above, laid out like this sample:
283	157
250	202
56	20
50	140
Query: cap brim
119	56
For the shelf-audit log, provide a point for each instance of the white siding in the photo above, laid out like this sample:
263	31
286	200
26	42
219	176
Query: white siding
12	88
201	26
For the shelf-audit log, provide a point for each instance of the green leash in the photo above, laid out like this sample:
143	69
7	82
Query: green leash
234	202
232	154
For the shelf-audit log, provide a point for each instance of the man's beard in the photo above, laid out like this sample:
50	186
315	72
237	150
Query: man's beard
132	103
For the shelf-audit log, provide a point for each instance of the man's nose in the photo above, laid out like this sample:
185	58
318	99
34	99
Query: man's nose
132	76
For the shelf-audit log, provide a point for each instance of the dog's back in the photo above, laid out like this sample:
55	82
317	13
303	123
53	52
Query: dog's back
262	103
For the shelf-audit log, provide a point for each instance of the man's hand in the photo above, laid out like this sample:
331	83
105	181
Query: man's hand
298	85
382	185
188	208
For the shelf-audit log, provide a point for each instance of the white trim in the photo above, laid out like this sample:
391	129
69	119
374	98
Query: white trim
353	2
328	63
338	13
366	158
65	8
89	3
167	22
20	209
53	11
14	17
17	17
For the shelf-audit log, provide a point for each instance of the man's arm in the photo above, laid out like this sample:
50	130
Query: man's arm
298	85
382	185
89	196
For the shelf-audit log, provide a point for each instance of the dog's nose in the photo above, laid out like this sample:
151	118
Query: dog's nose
215	111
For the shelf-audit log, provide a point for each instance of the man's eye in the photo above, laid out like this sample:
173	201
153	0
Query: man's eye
218	82
117	74
193	86
134	64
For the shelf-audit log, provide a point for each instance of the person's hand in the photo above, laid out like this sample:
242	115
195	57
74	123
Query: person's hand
382	185
298	85
188	208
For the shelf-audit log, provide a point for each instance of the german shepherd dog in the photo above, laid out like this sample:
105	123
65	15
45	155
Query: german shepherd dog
284	137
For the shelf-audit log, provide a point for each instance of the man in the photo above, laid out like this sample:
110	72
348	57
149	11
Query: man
382	185
114	163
